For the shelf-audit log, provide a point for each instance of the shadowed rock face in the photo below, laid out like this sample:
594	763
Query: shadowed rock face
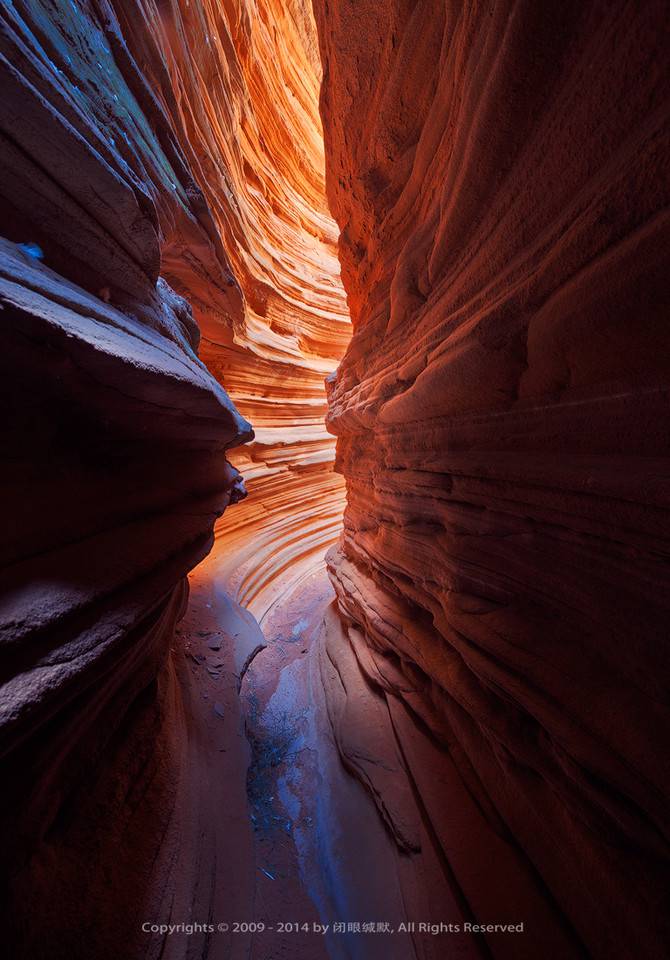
498	175
115	438
144	150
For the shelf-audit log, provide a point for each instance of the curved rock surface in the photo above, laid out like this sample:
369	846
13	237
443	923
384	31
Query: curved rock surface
115	442
162	176
494	668
498	175
241	83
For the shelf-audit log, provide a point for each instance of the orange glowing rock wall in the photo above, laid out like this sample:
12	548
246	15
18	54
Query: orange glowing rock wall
499	175
241	83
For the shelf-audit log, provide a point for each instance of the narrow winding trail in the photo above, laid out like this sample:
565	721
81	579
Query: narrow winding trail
296	842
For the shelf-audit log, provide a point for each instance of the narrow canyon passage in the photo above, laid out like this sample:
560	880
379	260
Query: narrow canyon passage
304	838
314	844
334	371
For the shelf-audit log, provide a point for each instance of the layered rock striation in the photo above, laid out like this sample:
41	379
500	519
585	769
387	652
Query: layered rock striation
494	672
497	173
165	230
115	468
241	84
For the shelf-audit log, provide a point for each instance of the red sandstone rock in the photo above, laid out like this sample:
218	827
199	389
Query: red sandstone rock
146	150
115	439
496	172
498	175
240	83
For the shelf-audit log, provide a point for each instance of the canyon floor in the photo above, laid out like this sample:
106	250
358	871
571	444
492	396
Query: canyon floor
298	840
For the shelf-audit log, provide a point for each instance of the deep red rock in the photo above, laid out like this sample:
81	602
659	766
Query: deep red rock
496	674
498	173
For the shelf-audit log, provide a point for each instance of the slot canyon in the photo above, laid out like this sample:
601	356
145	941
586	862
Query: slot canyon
335	390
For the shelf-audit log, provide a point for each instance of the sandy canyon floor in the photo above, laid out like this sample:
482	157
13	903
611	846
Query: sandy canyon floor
294	842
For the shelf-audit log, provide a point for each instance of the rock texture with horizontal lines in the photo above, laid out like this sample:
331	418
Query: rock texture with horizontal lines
495	665
498	174
162	200
240	83
115	438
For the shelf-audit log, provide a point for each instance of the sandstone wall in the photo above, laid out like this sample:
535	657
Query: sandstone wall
241	84
161	174
498	174
114	434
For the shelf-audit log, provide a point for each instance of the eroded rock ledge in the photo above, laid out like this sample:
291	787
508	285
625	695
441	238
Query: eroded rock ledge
497	173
